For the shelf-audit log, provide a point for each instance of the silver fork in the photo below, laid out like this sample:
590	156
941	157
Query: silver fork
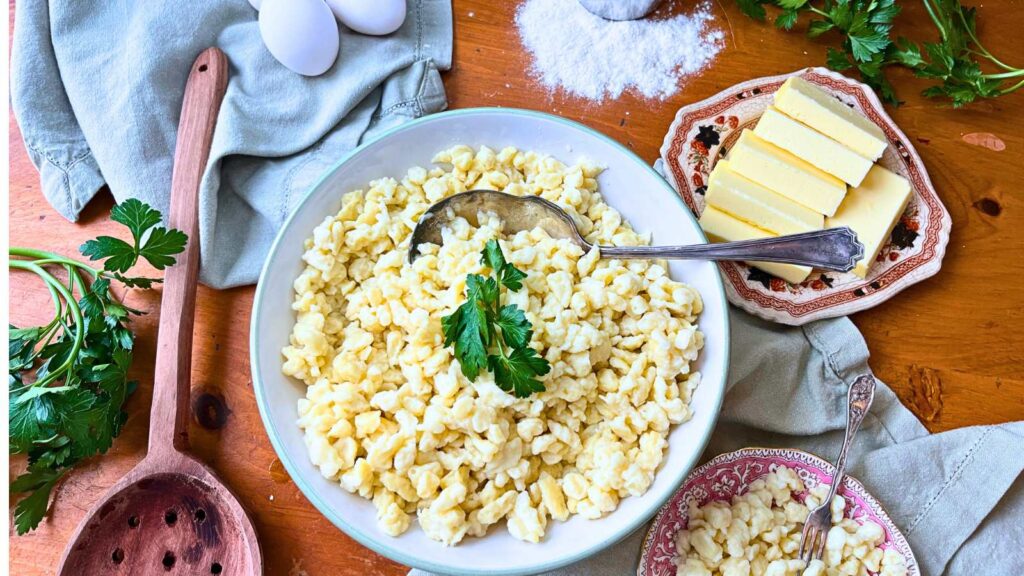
819	521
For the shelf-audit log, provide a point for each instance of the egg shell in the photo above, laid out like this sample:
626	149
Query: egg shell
301	34
374	17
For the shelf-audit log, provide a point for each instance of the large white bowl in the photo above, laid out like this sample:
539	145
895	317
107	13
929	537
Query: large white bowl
629	185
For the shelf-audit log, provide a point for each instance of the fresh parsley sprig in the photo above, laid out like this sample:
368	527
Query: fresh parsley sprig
68	379
489	336
865	27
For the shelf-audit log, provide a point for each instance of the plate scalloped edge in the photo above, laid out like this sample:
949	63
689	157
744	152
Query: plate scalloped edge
851	489
823	295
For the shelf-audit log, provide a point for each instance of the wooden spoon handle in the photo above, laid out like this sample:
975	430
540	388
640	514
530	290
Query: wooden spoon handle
169	416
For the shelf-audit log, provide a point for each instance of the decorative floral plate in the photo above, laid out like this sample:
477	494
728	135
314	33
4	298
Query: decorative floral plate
702	132
732	473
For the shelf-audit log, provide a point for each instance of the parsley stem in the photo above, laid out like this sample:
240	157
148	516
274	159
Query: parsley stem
821	13
76	313
981	49
1016	86
931	13
1013	74
42	257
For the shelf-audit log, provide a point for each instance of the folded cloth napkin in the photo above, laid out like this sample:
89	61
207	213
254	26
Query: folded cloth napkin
958	496
97	90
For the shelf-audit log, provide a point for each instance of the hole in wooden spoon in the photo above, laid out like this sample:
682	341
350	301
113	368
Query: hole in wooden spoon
168	560
133	522
170	517
200	515
117	556
216	568
202	68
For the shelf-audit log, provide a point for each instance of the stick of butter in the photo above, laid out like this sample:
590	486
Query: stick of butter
749	201
872	210
721	227
782	172
813	146
820	110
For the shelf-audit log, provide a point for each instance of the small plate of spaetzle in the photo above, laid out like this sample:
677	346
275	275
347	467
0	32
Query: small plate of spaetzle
742	513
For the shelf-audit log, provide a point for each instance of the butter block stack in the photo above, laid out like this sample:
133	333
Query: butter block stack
809	164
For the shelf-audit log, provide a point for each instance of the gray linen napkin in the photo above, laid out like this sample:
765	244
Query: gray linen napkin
97	90
958	496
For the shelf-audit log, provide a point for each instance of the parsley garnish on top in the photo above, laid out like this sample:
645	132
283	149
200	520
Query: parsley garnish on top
865	28
488	336
68	379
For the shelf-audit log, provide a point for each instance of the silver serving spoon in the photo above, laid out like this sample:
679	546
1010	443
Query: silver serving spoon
832	249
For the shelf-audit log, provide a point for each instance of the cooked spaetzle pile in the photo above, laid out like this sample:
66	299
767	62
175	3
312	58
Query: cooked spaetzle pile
759	532
388	413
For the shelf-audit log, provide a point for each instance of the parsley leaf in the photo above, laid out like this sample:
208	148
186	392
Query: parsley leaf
837	60
480	325
156	244
509	276
469	330
517	373
120	255
137	216
483	289
161	245
867	43
492	255
752	8
512	277
818	27
786	19
38	481
515	328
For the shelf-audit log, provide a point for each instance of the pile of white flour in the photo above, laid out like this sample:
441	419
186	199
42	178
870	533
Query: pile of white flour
590	57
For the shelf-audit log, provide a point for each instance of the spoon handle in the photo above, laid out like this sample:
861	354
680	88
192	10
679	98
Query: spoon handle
169	415
832	249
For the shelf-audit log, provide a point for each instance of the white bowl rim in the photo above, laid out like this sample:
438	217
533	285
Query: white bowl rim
377	544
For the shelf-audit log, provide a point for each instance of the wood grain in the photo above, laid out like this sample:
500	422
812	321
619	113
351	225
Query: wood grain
951	346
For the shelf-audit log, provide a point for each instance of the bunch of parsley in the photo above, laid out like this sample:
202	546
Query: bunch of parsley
488	335
868	46
68	378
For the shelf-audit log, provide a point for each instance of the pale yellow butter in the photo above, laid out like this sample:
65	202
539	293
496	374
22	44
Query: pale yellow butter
782	172
813	146
749	201
820	110
721	227
872	210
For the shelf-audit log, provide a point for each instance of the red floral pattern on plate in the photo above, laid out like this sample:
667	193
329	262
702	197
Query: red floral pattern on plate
703	132
732	473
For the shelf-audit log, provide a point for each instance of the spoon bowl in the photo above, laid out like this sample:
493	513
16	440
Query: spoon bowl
156	520
831	249
171	514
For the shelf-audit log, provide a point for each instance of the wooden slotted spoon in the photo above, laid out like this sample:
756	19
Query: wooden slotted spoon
170	514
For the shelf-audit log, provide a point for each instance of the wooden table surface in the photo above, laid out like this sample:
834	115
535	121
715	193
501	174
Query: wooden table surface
951	347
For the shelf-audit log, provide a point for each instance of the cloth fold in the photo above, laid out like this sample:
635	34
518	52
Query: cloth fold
958	496
97	91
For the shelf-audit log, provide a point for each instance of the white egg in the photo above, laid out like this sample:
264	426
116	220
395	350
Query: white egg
375	17
301	34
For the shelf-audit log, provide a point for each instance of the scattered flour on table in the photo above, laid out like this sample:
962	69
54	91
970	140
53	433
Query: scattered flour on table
590	57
